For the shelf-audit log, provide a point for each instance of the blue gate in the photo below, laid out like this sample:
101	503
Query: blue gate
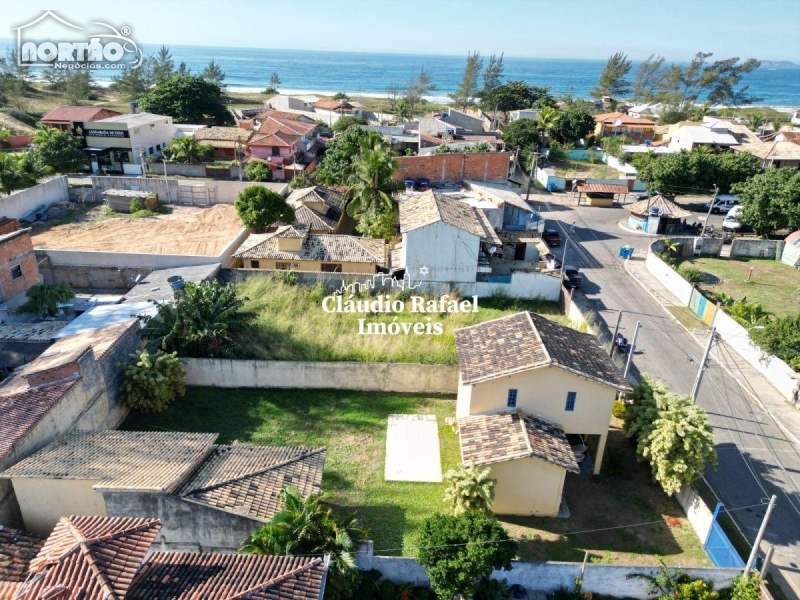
719	547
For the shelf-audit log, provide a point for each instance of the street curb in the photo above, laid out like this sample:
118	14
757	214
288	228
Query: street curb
791	437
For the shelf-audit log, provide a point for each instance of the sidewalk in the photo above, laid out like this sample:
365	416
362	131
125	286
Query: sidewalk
785	416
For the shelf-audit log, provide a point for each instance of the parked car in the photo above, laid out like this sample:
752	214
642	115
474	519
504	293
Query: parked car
578	446
731	221
572	278
722	204
551	237
642	196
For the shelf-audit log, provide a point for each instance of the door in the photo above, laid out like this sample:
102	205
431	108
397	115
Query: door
519	252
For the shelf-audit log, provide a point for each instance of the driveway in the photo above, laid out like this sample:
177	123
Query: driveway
756	459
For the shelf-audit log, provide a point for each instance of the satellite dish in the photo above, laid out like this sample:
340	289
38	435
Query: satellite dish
492	250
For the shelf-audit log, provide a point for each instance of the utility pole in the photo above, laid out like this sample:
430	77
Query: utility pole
536	156
760	535
703	362
710	208
564	260
614	336
631	350
767	561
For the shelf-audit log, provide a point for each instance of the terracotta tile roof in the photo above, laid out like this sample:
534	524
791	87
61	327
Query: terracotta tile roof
92	558
277	138
17	549
500	437
132	460
278	114
431	207
333	104
603	188
319	247
626	120
189	576
525	341
20	412
9	590
791	136
667	207
246	480
78	113
287	126
223	137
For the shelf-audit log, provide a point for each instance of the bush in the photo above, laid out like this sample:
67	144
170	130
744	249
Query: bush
781	337
619	410
286	277
346	122
746	587
691	274
258	207
153	381
258	171
21	116
135	206
43	299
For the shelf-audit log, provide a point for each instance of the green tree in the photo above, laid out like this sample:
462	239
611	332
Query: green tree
695	170
259	207
770	200
458	551
746	587
340	96
78	86
43	299
15	78
518	95
55	78
613	80
419	86
303	180
257	170
547	119
59	150
754	121
575	123
403	110
522	134
305	526
182	69
371	185
464	95
340	153
378	224
19	171
699	112
187	99
213	72
781	338
348	121
717	82
274	82
188	150
163	65
202	322
153	381
648	79
133	83
492	79
469	488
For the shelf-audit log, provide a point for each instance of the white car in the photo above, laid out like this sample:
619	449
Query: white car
724	203
731	221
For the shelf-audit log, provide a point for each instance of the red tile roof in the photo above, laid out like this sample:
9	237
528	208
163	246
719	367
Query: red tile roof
603	188
273	124
94	558
21	412
609	118
187	576
333	104
279	114
278	138
17	549
67	114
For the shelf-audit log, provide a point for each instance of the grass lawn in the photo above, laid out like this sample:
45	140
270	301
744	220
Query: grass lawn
569	167
291	325
353	427
771	284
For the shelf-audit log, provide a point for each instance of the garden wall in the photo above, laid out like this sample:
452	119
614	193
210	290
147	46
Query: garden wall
44	195
480	166
757	248
699	515
358	376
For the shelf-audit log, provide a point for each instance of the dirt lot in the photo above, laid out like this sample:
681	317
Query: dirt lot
185	230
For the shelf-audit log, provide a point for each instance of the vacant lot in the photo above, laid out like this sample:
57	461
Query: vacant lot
353	427
771	284
185	230
291	325
571	167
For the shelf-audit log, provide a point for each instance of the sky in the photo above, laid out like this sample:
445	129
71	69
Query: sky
677	29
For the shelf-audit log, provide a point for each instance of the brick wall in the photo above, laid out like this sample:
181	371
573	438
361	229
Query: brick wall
51	375
17	251
484	166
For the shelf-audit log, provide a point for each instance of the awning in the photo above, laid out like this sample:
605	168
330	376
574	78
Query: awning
603	188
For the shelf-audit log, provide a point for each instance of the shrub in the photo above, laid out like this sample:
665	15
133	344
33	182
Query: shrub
259	207
286	277
153	381
781	337
258	171
469	488
619	410
746	587
690	274
43	299
135	206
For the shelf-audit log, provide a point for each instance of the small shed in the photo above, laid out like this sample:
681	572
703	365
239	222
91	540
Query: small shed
120	200
656	215
602	194
791	251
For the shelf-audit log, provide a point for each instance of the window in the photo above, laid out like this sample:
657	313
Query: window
150	150
283	266
331	268
571	400
512	399
158	147
276	151
16	272
166	122
254	264
152	126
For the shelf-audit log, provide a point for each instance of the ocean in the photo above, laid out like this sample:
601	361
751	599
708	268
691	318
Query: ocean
371	74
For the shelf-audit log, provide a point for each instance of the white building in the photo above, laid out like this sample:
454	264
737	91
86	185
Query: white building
121	144
713	135
450	238
528	113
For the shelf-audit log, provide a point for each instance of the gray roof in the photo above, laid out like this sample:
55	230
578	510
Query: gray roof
154	286
316	247
432	207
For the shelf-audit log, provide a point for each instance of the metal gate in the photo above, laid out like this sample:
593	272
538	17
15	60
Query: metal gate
719	548
198	195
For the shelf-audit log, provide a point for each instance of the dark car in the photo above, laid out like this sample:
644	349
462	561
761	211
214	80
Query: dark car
572	278
551	237
642	196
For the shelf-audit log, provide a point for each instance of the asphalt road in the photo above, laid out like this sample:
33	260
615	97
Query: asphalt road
755	458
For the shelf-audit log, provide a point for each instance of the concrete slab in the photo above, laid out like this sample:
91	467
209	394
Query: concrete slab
412	449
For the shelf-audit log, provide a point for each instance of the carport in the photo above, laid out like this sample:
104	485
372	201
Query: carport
602	194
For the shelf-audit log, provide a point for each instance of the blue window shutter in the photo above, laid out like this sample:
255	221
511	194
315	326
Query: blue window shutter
512	399
571	400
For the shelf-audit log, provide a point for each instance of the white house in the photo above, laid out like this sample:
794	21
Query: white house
450	238
528	113
714	135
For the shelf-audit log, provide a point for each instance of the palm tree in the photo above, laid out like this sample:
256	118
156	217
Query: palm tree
547	120
698	112
305	526
754	121
469	489
187	150
11	176
403	110
371	182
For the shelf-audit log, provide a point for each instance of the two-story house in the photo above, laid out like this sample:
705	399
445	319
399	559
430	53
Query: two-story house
618	123
525	384
19	270
282	142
